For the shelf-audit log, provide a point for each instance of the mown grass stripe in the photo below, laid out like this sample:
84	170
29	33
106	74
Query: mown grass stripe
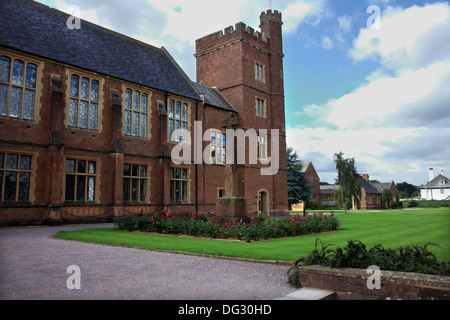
391	229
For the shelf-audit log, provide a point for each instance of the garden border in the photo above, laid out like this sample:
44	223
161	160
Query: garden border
351	284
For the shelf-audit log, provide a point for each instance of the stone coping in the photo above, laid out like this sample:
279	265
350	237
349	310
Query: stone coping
391	276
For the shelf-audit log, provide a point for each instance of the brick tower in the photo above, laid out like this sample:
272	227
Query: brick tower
246	66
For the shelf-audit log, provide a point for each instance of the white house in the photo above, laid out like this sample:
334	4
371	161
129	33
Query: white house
437	188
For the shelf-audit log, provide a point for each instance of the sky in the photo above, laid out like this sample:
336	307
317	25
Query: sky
369	78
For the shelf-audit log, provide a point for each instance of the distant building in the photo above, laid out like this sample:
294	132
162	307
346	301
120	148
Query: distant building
370	195
327	196
390	186
322	196
437	188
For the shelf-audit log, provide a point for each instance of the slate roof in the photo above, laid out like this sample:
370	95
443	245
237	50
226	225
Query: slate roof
436	183
39	30
213	97
370	189
328	189
382	185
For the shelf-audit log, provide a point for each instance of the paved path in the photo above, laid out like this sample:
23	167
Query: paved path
34	266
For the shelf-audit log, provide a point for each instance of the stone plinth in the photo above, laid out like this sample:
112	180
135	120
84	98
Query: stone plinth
231	209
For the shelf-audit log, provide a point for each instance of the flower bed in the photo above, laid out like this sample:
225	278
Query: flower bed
253	229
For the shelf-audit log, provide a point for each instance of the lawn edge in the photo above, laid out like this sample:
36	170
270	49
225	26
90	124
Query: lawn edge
187	253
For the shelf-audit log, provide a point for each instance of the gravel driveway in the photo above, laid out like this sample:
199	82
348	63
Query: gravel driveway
34	266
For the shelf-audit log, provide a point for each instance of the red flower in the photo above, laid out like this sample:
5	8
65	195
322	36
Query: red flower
252	218
275	229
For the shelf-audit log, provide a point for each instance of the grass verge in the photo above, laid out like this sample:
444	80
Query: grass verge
392	229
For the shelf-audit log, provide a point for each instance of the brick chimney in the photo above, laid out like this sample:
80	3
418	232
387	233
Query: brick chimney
365	177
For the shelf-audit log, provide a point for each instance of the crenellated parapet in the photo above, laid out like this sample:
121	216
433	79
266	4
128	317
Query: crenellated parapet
271	16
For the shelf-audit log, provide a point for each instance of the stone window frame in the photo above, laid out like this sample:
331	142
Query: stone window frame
220	192
182	121
260	72
131	177
97	176
31	171
183	183
221	160
92	77
142	91
262	146
13	56
261	103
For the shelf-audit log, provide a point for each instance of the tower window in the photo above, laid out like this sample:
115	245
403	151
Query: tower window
259	72
260	107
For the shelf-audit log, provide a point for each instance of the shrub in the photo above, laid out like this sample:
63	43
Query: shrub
414	258
251	229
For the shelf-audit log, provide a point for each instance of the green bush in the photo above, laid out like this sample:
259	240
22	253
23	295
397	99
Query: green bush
251	229
414	258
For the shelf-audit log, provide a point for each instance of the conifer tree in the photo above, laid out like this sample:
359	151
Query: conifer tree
298	186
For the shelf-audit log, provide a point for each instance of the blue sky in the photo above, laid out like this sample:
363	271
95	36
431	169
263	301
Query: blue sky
381	95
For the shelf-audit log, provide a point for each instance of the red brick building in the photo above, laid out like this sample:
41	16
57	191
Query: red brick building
87	116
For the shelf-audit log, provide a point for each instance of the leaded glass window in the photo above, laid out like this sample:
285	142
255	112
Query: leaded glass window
178	119
262	146
15	177
136	114
81	176
218	147
83	105
17	88
179	185
135	181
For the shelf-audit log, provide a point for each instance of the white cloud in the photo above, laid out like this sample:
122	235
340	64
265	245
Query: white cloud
411	86
345	23
295	13
409	38
394	100
370	148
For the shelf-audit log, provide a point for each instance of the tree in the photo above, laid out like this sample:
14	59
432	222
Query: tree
347	179
298	186
407	190
386	196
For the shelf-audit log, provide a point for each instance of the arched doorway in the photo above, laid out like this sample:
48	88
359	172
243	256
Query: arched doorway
263	203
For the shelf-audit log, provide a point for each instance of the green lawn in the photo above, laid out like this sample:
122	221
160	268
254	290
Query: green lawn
392	229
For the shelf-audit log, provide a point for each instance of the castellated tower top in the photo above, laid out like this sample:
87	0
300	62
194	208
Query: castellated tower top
271	16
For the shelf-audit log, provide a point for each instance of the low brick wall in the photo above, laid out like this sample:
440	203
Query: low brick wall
351	284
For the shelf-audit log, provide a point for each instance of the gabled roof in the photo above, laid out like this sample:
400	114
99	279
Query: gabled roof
440	182
306	166
329	189
213	97
366	185
36	29
382	185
